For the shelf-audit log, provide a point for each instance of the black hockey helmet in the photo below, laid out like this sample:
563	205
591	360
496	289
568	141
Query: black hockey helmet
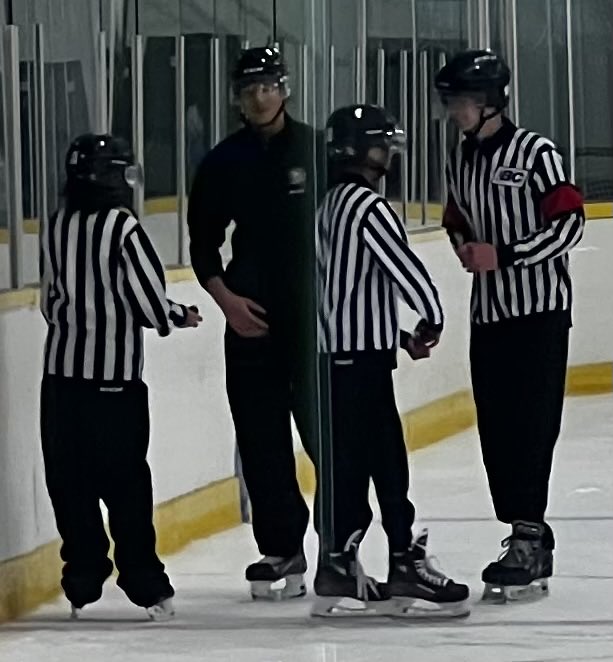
353	130
260	65
102	161
475	71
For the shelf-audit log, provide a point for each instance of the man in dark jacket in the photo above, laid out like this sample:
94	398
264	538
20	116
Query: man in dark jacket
263	179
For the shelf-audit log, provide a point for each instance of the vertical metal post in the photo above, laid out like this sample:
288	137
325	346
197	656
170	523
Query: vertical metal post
12	145
102	120
332	81
414	100
511	40
40	125
404	119
360	53
425	153
472	17
359	75
215	90
304	72
571	91
550	71
180	141
381	77
443	142
30	157
381	97
138	126
484	24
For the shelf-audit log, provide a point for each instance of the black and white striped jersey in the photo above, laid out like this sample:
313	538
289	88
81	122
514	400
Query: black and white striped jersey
101	283
364	266
511	190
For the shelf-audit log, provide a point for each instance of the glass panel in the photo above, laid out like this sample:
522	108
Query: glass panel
541	37
70	31
390	43
592	23
442	30
343	26
5	266
118	21
159	22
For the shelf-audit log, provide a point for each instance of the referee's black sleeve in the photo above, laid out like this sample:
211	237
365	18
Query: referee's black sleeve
207	220
384	235
147	284
561	206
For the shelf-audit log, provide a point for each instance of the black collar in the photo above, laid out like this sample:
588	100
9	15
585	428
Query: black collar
490	144
289	125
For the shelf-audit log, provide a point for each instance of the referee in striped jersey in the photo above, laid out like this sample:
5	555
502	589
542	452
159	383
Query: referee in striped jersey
101	283
364	266
512	217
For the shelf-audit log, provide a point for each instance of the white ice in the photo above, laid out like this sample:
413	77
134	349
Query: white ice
216	621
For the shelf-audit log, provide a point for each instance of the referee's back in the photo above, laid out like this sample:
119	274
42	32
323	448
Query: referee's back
101	283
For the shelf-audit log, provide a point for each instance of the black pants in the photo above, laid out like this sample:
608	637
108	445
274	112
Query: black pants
367	442
263	392
518	374
95	446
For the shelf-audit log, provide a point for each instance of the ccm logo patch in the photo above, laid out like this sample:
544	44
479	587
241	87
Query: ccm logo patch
510	177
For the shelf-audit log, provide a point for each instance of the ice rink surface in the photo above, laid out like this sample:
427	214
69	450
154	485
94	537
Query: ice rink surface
217	621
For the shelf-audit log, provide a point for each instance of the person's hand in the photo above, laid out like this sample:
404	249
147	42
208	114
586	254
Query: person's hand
416	349
478	257
424	334
192	319
242	316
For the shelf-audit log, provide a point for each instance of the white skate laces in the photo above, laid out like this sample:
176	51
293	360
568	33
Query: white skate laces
364	583
424	566
515	550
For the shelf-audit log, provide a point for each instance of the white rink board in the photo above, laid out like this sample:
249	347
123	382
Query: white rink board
192	441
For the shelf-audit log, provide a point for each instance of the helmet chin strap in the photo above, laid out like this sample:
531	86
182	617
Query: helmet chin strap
473	133
264	125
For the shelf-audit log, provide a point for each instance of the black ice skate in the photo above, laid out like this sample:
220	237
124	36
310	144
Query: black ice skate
343	589
522	571
277	578
421	591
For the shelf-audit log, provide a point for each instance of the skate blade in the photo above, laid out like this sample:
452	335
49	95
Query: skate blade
161	612
75	613
417	608
497	594
292	586
342	607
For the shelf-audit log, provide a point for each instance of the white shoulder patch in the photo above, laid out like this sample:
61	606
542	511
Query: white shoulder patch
510	177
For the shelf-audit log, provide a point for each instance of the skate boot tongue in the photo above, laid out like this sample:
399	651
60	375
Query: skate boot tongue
528	530
419	546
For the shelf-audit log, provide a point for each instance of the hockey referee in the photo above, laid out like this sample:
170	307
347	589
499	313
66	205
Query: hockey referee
512	217
365	266
101	283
